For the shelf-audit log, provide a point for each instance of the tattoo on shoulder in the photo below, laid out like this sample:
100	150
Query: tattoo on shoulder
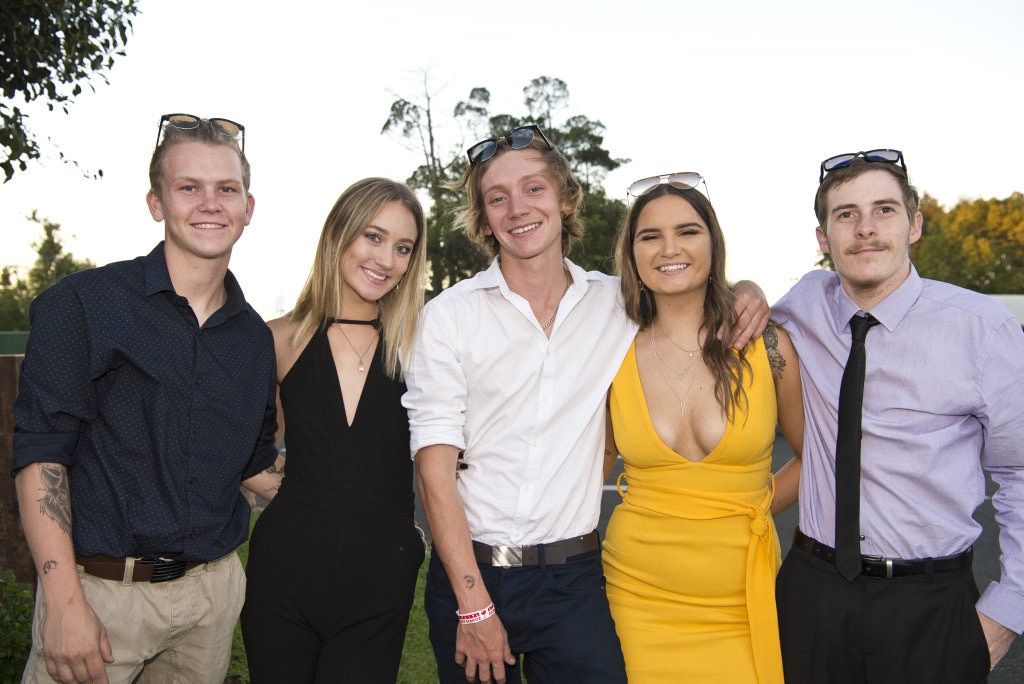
771	345
56	500
470	581
48	566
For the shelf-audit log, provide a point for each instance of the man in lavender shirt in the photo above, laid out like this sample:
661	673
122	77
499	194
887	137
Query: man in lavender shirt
943	401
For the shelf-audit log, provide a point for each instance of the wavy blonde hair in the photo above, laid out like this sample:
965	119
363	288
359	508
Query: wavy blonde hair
472	218
321	296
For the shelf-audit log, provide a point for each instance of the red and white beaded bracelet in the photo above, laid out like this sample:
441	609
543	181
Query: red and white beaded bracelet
476	616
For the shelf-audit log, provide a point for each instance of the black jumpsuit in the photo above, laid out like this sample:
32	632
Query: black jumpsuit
333	559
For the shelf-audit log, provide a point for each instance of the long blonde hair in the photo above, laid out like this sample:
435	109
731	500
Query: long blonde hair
321	296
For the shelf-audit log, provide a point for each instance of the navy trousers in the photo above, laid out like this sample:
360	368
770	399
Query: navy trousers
557	618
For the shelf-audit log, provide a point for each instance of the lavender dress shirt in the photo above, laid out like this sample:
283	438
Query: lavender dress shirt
943	400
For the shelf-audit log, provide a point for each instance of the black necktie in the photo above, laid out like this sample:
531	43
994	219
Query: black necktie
851	398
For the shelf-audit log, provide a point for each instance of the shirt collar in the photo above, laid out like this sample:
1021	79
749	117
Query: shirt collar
889	312
158	279
493	277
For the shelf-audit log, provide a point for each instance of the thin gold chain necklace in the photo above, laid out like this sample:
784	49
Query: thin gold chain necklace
362	367
568	282
678	374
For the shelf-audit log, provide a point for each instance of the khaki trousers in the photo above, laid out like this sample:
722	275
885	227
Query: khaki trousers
177	631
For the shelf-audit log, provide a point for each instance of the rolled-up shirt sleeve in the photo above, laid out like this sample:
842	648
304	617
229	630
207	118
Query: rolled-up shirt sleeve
55	395
436	382
1002	417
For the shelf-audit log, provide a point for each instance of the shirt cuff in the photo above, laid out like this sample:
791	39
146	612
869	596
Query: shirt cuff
1004	605
42	447
422	439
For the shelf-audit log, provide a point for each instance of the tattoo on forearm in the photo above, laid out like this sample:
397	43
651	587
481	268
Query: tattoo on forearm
470	581
771	345
275	469
56	501
48	566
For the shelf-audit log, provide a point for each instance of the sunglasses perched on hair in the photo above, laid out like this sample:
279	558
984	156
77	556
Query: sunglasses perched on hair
187	122
684	180
843	160
517	139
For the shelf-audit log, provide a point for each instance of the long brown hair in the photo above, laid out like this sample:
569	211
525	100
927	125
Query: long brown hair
726	367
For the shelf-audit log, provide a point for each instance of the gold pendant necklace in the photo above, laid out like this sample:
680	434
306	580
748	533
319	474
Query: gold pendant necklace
372	342
678	374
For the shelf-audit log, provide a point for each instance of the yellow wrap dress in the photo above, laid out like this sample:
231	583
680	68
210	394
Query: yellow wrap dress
691	553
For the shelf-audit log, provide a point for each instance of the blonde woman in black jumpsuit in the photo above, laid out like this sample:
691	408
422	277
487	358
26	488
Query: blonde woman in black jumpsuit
333	559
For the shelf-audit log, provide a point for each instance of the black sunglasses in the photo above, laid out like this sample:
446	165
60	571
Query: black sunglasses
187	122
517	139
842	160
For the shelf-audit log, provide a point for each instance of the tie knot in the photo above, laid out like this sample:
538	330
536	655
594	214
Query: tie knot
859	326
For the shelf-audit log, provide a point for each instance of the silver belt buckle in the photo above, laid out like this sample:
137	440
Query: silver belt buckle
507	556
888	568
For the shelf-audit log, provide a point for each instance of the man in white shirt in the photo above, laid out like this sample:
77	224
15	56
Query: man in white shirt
507	385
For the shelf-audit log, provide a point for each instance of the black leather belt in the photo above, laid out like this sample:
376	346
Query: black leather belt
877	566
553	553
140	570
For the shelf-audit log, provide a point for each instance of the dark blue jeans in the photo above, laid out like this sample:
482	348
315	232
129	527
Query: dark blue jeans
557	618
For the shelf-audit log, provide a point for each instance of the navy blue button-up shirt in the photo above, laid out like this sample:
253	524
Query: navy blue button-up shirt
157	419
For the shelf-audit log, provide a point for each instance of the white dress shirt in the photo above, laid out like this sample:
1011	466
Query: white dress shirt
529	411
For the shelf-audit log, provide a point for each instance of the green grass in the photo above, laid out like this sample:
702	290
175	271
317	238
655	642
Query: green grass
417	657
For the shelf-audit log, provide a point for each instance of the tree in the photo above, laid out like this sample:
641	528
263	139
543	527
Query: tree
47	49
451	254
52	264
978	244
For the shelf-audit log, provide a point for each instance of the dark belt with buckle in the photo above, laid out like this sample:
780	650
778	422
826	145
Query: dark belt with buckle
877	566
127	570
553	553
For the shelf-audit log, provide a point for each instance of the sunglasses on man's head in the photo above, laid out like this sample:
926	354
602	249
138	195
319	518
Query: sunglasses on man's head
684	180
517	139
187	122
843	160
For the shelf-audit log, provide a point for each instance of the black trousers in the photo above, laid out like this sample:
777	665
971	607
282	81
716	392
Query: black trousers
907	629
328	595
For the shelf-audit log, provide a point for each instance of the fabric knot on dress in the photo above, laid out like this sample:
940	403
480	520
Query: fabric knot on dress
759	525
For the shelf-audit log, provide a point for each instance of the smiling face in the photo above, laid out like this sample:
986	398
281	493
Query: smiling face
868	233
522	205
672	247
378	258
202	201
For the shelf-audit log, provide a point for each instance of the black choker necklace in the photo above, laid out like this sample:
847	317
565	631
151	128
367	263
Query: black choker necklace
350	321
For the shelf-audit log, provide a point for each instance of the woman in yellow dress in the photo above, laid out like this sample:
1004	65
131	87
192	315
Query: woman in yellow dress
691	553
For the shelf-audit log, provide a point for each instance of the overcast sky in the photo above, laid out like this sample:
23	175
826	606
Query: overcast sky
751	94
